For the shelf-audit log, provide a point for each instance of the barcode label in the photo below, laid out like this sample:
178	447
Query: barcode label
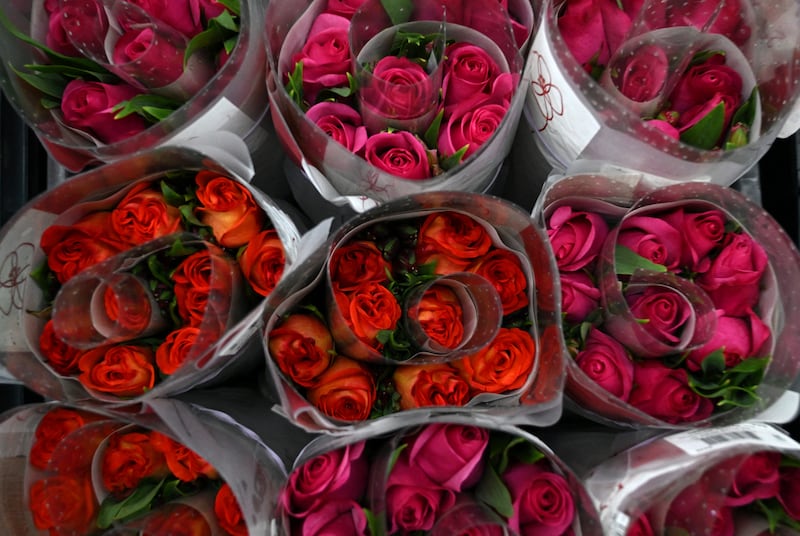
756	434
730	437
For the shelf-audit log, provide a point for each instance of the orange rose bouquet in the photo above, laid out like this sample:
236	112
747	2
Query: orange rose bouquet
152	286
430	304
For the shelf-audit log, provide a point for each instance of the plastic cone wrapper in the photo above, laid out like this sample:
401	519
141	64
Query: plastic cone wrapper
142	278
677	91
71	470
98	80
739	479
677	301
448	474
376	100
437	302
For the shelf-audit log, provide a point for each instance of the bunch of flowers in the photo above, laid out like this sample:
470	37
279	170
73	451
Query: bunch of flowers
439	478
141	285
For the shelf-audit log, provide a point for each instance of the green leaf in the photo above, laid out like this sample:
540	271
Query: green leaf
628	261
187	211
375	523
72	72
492	491
714	363
232	6
399	11
179	249
46	280
449	162
294	85
133	505
706	132
170	195
431	135
158	270
395	456
50	84
144	104
746	113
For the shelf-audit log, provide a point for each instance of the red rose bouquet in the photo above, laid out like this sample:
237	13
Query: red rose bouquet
433	303
387	99
144	282
100	79
444	477
739	479
684	88
675	302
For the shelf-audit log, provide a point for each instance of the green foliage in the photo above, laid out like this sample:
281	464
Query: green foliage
729	386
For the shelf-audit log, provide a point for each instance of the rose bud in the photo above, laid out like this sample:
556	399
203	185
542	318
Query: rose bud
702	233
469	70
54	426
128	459
579	296
436	384
88	106
606	362
642	76
63	504
664	312
399	88
652	238
325	55
664	393
757	477
576	237
345	518
541	499
739	338
413	503
450	455
61	357
302	347
346	391
174	352
440	315
229	513
228	208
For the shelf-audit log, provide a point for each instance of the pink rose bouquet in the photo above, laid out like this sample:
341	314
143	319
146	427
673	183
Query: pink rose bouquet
438	478
675	305
384	92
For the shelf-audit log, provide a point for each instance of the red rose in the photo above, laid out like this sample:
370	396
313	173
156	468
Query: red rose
57	38
606	362
158	61
263	261
739	338
203	286
128	459
452	240
61	357
440	316
684	514
541	499
123	370
703	81
344	8
346	391
664	312
503	269
143	215
357	262
642	75
302	347
503	365
399	153
727	17
128	317
88	106
228	208
412	502
228	512
430	385
789	491
176	519
664	393
758	477
341	122
653	238
325	55
469	70
399	88
449	455
54	426
186	16
336	518
640	526
369	309
579	296
174	352
182	462
576	237
63	504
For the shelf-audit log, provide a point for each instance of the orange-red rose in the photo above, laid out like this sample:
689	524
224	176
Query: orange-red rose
355	263
131	319
128	459
177	519
228	208
176	348
503	365
62	357
143	215
229	513
452	240
430	385
263	261
55	425
302	347
440	315
369	309
203	286
63	504
123	370
503	269
346	391
183	462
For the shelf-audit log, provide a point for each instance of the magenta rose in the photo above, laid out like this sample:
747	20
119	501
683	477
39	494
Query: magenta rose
399	88
339	475
413	502
789	491
341	122
727	17
593	29
757	478
662	311
579	296
57	38
665	127
470	129
158	62
733	280
702	82
186	16
399	153
541	499
664	393
702	232
469	70
325	55
653	238
713	519
343	8
576	237
606	362
335	518
641	78
739	338
450	455
76	22
87	106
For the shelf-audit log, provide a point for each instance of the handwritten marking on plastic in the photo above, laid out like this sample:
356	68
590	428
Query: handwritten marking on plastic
547	95
14	271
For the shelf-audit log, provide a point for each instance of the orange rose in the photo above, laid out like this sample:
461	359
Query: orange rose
355	263
70	249
203	286
229	513
176	348
430	385
263	261
302	347
452	240
123	370
131	319
128	459
62	357
63	504
369	309
144	215
183	462
55	425
176	519
503	269
346	391
503	365
440	315
228	208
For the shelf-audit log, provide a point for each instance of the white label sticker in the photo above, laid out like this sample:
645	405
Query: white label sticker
701	441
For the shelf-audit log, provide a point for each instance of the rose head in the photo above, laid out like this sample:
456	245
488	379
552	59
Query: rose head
156	60
399	153
122	370
470	128
430	385
203	287
345	391
652	238
127	459
643	74
344	8
579	296
739	338
118	310
593	29
440	316
703	81
57	38
341	122
789	491
449	455
302	348
698	507
369	309
664	393
399	88
88	106
664	127
336	518
263	261
663	311
174	352
183	462
80	23
452	240
702	232
63	503
228	512
503	365
758	477
468	70
541	499
727	18
54	426
186	16
144	215
412	503
503	269
576	237
61	357
177	518
325	55
228	208
356	262
606	362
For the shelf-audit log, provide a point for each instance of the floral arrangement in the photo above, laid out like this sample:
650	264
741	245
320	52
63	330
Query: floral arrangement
440	478
141	285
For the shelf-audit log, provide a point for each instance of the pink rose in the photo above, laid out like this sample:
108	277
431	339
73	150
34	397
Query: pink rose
728	19
653	238
697	113
325	55
541	499
579	296
57	38
734	277
399	153
335	518
663	311
341	122
642	76
186	16
75	22
757	478
450	455
344	8
739	338
576	237
664	393
702	233
470	129
399	88
665	127
593	29
159	62
702	82
468	70
340	474
606	362
789	491
712	519
412	501
87	106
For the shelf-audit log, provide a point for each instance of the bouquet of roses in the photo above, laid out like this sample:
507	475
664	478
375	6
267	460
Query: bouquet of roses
687	89
148	287
99	79
739	479
439	300
373	92
445	477
675	302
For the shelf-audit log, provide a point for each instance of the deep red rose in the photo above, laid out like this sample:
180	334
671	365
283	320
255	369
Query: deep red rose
325	55
399	153
88	106
758	477
579	296
664	393
653	238
541	499
63	504
61	357
356	262
576	237
129	458
606	362
54	426
341	122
